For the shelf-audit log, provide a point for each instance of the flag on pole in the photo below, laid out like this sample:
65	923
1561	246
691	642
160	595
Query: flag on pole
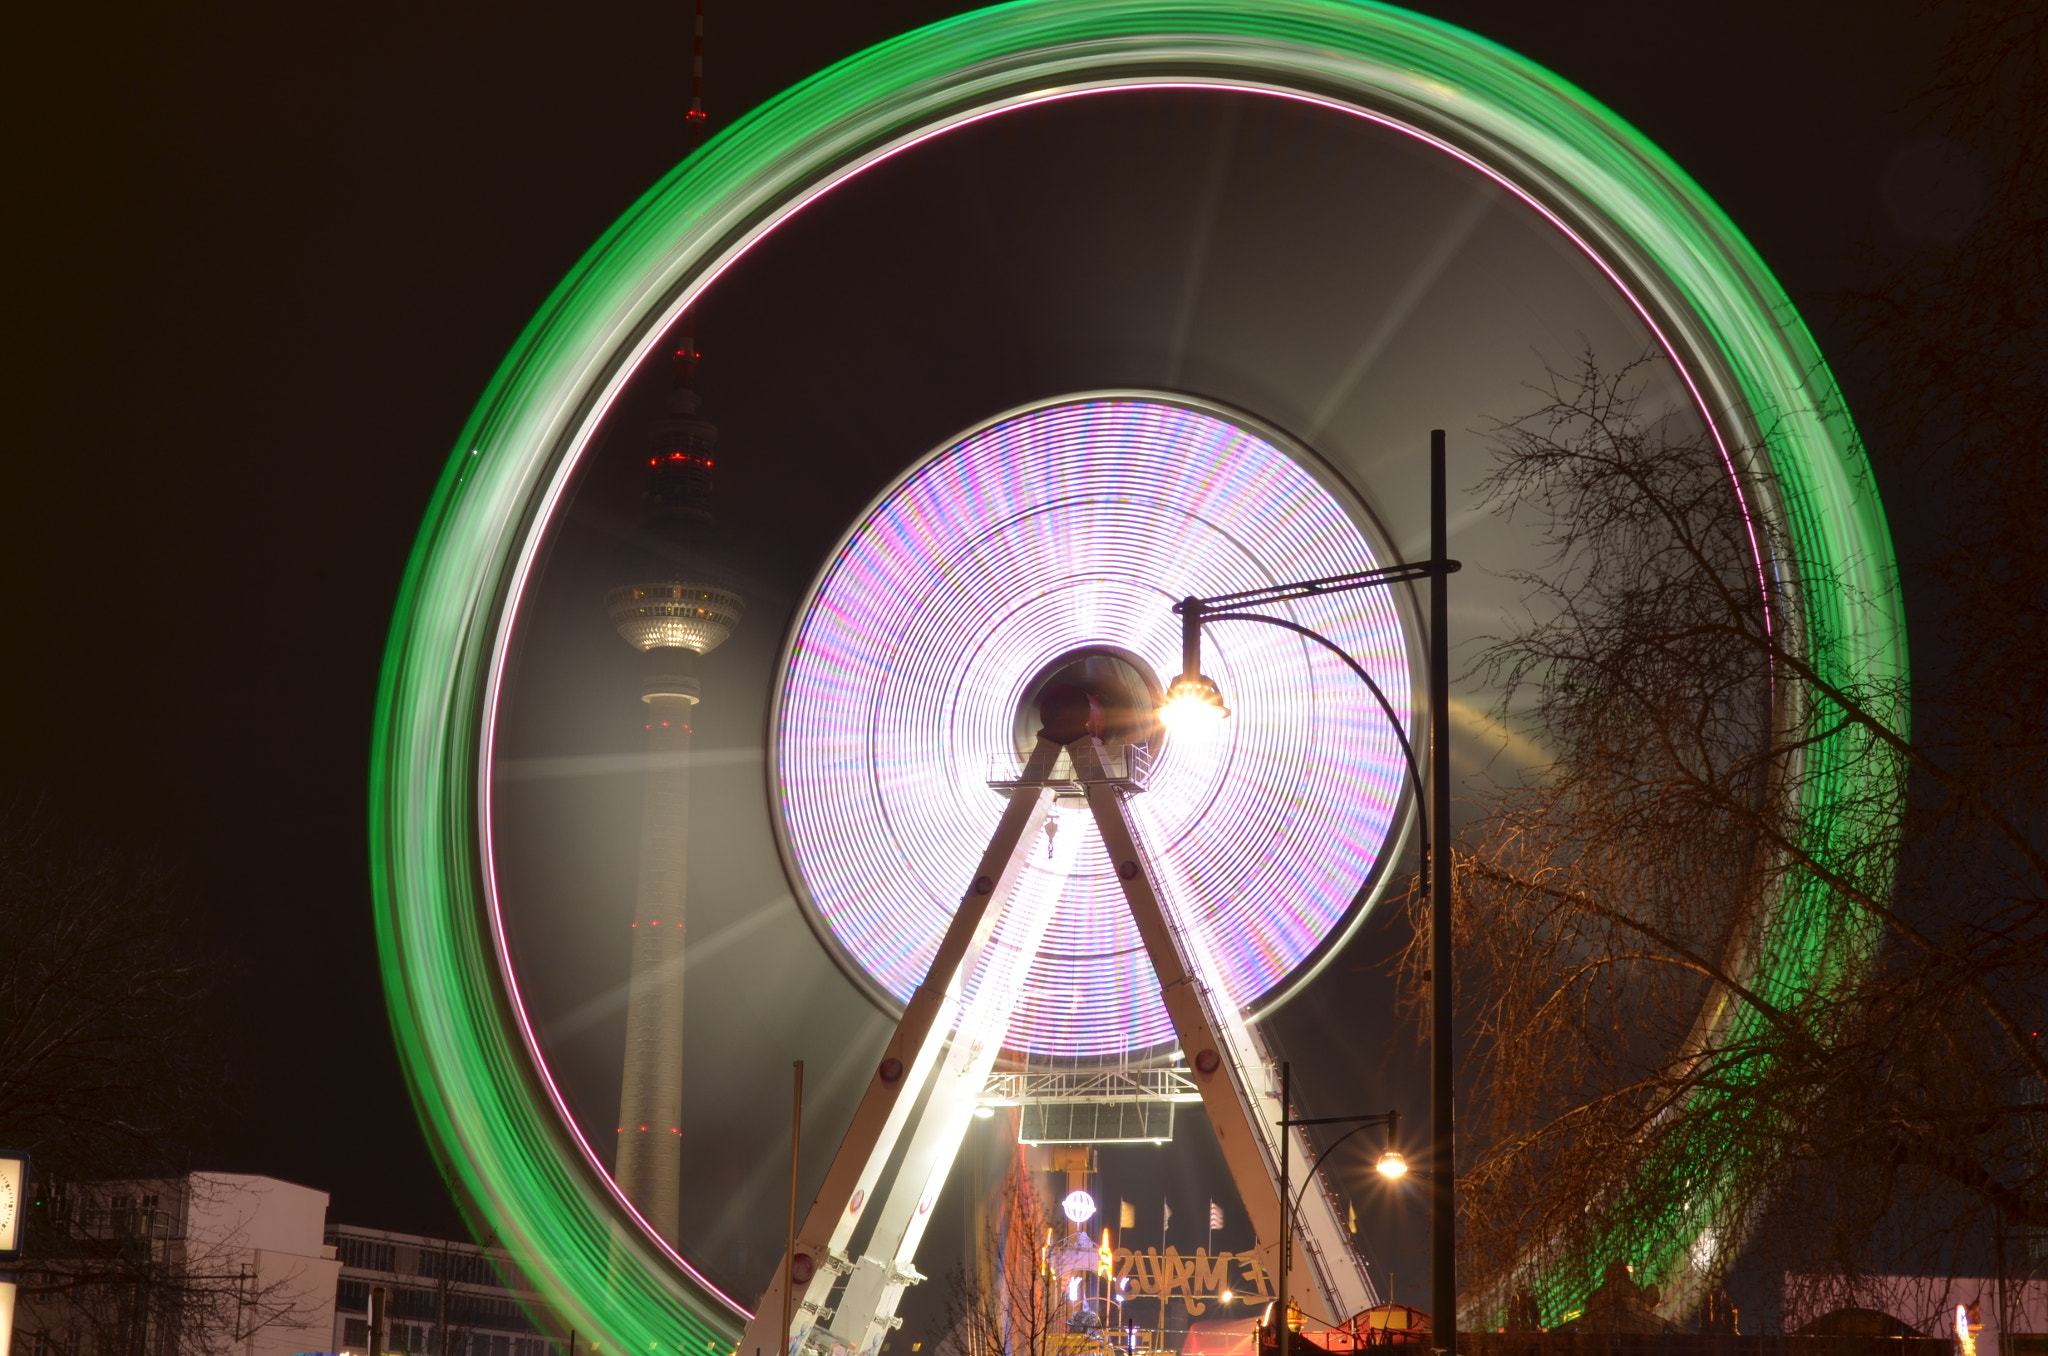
1127	1216
1166	1214
1351	1215
1215	1215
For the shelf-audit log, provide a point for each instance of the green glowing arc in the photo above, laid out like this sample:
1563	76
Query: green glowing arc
483	1100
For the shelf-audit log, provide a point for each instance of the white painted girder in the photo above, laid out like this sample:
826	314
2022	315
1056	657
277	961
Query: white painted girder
946	1050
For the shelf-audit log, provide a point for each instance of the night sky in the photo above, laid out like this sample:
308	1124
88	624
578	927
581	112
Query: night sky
263	261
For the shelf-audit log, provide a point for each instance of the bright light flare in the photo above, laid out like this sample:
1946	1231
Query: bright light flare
1192	703
1392	1165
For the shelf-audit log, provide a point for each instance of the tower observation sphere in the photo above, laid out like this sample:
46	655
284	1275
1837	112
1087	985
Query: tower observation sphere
678	602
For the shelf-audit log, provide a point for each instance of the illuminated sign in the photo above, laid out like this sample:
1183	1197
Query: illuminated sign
1195	1277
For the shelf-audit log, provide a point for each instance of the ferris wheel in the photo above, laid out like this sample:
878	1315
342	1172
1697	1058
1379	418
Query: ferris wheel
995	830
1070	490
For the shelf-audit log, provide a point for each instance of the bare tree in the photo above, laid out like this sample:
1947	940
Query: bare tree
1012	1303
1652	1042
102	1056
104	1062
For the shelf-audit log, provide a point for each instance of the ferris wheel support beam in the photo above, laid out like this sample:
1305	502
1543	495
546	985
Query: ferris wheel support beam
866	1311
1232	1068
848	1197
943	1048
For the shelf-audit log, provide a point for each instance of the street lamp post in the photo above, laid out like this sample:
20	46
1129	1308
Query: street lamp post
1391	1164
1195	695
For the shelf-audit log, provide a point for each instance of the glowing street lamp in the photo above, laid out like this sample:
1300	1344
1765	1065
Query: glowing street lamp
1193	700
1391	1165
1195	697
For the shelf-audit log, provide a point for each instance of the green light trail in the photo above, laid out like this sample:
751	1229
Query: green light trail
483	1101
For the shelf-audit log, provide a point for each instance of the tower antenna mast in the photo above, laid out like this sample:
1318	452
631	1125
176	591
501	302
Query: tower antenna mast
694	123
695	119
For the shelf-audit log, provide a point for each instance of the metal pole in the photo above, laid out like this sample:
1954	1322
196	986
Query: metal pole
1286	1197
796	1142
376	1323
1443	1205
1165	1210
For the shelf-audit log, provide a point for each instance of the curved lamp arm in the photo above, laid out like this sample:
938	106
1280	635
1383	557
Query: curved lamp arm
1393	721
1389	1120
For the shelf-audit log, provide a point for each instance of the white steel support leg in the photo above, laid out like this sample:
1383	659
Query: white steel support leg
1237	1082
879	1278
846	1199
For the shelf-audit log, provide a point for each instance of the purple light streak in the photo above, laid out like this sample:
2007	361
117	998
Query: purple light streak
1066	526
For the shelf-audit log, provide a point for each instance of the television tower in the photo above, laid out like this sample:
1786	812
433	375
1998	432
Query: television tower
675	607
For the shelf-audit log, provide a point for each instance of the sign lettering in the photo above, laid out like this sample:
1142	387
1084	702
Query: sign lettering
1194	1278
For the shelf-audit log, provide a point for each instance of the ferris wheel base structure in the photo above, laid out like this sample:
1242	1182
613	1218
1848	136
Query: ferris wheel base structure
855	1250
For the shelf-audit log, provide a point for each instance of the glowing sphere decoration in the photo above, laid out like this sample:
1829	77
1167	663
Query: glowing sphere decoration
487	1100
1079	1206
1046	532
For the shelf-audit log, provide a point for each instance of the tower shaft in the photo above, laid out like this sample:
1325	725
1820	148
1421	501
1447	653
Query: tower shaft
649	1162
676	609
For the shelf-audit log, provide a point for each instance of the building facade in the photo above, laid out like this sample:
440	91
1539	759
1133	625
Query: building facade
208	1264
442	1297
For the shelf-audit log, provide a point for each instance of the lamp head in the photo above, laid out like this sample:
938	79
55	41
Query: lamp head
1392	1165
1192	700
